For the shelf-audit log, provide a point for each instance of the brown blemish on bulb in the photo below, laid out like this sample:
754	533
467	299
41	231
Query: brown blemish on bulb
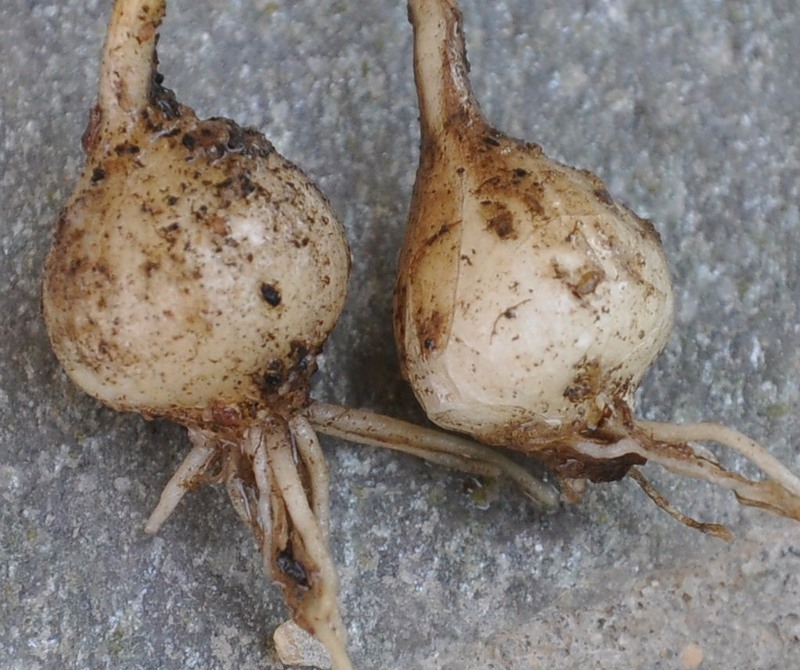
586	384
499	219
92	132
218	225
604	196
271	294
534	203
431	331
126	148
587	282
189	141
440	233
502	225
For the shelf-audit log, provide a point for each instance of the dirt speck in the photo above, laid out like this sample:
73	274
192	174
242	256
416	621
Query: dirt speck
691	656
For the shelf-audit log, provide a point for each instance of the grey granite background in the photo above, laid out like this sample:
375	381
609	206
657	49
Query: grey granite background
690	110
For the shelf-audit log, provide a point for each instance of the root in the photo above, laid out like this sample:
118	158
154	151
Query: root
375	430
749	448
307	444
277	480
715	529
672	446
317	609
264	509
187	476
241	496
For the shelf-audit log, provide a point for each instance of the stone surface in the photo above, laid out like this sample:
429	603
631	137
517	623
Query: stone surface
294	646
689	110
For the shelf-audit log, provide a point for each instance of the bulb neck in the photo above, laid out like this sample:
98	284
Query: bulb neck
441	69
129	57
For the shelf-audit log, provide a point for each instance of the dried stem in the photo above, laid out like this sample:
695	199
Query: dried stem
440	67
129	56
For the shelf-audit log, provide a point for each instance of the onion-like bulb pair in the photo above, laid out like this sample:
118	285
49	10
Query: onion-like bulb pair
195	275
529	303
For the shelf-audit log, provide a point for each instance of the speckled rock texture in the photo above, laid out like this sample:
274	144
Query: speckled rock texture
690	111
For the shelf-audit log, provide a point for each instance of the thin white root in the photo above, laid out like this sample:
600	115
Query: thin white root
307	444
185	477
322	611
240	497
713	432
375	430
673	450
263	474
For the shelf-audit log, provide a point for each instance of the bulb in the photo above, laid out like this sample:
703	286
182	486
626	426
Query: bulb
529	303
193	267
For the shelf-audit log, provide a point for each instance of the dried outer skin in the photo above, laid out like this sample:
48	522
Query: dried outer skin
528	303
193	269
